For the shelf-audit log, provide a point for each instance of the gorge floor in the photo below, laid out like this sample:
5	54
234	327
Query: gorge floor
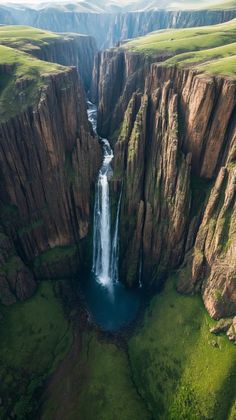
153	370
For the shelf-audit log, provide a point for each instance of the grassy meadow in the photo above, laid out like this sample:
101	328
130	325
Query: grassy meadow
210	49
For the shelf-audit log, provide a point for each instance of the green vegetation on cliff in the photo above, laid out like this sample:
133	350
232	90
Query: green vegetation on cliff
25	38
30	39
210	49
34	336
55	255
180	368
22	80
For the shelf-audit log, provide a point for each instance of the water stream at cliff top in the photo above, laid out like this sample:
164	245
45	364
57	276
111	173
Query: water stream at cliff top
111	304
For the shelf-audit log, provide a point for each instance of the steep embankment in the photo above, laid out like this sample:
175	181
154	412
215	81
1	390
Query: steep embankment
66	49
48	163
175	154
111	28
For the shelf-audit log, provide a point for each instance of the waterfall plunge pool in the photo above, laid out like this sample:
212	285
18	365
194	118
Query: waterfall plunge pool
112	306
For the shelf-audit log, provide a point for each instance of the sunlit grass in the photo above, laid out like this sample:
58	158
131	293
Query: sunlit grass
181	369
210	49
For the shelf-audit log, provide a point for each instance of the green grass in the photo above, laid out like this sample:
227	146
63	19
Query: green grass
34	336
25	38
219	60
211	49
55	254
180	368
96	386
22	84
224	66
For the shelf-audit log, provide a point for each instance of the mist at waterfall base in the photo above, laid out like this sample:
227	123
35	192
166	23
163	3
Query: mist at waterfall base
111	305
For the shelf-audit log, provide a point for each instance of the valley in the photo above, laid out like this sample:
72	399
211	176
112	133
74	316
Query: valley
117	212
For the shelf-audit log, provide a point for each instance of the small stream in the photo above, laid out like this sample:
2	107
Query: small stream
111	305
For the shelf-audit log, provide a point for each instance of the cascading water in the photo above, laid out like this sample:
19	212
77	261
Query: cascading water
110	303
102	220
105	249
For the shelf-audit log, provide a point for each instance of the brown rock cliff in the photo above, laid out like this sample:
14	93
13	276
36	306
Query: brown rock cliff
177	140
48	161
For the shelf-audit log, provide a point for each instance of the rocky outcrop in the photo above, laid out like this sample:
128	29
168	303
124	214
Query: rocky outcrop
174	154
227	326
48	161
111	28
231	333
222	326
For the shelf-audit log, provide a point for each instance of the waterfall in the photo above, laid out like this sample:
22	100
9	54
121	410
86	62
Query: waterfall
105	250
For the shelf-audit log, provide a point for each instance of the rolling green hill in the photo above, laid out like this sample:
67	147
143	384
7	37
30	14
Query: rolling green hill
210	49
20	72
25	38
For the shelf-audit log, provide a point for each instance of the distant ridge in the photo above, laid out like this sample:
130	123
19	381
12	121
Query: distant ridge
115	6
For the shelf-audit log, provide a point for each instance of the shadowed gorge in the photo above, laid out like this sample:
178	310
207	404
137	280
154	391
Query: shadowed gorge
118	211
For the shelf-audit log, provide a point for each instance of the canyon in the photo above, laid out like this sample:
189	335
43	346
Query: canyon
178	175
112	26
49	161
117	226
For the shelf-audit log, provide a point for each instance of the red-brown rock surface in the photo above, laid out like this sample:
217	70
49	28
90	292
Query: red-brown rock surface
48	162
175	154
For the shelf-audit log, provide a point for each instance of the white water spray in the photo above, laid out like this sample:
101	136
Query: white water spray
105	250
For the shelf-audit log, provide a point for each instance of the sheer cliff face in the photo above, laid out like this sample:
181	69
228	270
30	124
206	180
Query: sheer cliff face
48	163
71	50
175	155
111	28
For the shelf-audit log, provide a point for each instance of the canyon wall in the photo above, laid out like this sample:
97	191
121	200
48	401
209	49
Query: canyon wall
49	161
111	28
175	148
70	50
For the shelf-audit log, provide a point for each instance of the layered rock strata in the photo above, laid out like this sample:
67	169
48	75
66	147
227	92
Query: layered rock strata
175	154
48	161
71	50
